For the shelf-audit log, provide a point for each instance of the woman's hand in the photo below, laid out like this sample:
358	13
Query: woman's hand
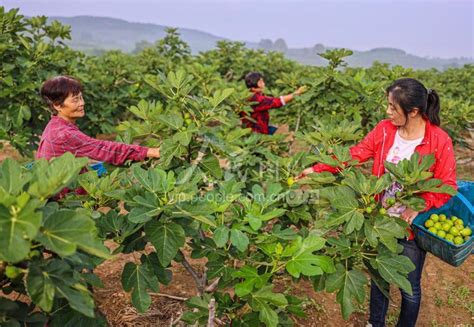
153	153
409	215
305	172
301	90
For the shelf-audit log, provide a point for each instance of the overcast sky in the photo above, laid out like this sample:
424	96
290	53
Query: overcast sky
434	28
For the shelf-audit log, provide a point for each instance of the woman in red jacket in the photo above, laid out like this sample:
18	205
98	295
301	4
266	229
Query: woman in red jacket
412	126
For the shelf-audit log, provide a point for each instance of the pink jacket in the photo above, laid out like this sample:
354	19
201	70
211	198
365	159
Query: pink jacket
61	136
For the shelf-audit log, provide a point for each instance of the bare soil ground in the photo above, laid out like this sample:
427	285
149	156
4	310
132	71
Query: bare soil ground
447	298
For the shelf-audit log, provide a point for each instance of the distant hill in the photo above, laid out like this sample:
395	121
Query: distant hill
93	34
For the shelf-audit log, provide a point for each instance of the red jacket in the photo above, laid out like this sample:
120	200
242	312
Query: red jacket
379	141
260	112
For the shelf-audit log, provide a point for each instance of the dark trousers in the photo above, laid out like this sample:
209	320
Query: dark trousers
410	303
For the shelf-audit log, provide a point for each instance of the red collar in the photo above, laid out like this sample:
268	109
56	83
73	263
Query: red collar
428	130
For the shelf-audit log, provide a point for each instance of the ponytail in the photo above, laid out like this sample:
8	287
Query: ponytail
433	107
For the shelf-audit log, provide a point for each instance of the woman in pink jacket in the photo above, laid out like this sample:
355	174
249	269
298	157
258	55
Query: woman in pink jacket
412	126
63	94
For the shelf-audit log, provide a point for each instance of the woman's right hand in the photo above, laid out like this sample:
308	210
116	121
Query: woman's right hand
153	153
301	90
305	172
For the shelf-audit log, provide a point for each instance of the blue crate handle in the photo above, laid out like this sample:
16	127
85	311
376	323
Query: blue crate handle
465	201
468	204
467	189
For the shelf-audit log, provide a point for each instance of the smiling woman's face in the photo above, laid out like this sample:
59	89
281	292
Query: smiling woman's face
72	108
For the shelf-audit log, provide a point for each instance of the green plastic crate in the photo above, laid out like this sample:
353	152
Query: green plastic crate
461	206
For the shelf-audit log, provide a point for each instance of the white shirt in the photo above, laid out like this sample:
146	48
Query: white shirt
402	149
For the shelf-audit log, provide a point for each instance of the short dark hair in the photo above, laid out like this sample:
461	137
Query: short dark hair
410	93
252	78
55	90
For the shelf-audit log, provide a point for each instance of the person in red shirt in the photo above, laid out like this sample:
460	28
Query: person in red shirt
63	94
412	126
260	117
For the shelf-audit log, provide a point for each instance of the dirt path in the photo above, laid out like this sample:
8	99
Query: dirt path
448	298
